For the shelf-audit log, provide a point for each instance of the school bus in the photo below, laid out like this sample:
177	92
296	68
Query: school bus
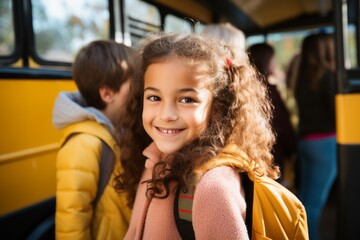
38	42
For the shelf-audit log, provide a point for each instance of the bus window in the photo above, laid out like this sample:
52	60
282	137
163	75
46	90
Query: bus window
286	45
254	39
62	27
141	18
7	32
199	27
176	24
352	46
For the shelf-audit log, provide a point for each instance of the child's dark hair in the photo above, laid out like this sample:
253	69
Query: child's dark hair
317	57
102	63
261	55
239	117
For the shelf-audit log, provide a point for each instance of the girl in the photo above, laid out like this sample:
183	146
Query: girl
315	95
208	117
262	55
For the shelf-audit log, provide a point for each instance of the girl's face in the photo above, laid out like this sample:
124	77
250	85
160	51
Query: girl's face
176	105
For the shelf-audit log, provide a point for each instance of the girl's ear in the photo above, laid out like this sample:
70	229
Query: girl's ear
106	94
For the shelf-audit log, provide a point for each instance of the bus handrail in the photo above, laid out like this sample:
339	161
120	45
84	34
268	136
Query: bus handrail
14	156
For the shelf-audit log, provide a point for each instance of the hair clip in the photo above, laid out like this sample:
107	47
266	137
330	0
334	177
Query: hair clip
228	64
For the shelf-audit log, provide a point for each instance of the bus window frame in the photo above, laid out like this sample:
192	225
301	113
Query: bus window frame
164	11
31	37
15	56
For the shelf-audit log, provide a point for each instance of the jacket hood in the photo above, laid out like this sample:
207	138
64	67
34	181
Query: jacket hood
70	107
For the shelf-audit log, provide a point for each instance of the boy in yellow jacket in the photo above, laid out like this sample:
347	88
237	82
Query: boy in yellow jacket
102	72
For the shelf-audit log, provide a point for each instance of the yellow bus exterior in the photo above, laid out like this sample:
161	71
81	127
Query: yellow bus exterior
28	142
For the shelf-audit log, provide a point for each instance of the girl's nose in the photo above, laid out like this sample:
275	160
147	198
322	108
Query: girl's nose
168	112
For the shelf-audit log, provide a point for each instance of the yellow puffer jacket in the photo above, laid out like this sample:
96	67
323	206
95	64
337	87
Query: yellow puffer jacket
77	167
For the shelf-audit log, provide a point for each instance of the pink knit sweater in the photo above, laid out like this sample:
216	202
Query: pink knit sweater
218	207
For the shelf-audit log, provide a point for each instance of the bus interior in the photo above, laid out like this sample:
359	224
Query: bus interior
39	40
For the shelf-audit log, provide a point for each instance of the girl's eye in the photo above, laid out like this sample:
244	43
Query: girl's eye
153	98
187	100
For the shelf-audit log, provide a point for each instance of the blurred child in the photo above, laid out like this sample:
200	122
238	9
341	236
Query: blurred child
233	37
315	96
102	72
262	55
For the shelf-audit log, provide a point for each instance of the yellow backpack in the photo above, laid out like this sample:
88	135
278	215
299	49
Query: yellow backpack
275	212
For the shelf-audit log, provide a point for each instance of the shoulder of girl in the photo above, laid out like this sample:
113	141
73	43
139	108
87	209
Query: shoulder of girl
221	177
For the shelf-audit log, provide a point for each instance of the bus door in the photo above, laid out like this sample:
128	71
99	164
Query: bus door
348	121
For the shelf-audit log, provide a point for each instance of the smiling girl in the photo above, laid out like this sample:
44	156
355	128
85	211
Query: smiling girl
202	117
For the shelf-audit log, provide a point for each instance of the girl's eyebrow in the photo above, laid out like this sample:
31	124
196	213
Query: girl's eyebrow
183	90
188	90
151	89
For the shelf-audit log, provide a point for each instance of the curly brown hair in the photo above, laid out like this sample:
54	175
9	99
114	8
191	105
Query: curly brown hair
240	115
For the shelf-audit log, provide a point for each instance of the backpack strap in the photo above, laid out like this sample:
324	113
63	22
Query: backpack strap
106	166
248	186
183	208
183	213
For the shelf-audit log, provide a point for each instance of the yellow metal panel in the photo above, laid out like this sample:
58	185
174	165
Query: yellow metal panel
348	118
26	109
27	181
28	141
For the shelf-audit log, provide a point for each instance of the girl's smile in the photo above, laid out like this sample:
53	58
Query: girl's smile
176	104
168	131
